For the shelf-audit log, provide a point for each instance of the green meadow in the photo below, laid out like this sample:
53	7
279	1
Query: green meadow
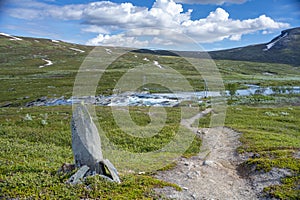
36	141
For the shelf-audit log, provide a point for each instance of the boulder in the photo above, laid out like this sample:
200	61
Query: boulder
86	146
86	143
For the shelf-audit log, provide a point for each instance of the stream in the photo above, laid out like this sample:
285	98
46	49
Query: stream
160	99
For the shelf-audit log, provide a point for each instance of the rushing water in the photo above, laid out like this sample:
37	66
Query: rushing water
162	99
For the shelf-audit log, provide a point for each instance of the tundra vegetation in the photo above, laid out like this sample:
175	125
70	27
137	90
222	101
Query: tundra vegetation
35	141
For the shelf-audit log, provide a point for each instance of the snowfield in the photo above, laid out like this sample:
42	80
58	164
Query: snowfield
49	62
11	37
156	63
108	51
270	45
79	50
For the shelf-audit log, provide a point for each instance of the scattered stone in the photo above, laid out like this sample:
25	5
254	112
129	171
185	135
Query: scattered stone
210	163
6	105
76	178
261	179
255	155
297	155
193	196
190	175
202	132
28	117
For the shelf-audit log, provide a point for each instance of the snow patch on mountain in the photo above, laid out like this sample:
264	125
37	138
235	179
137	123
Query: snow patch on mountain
49	62
146	59
272	43
11	37
79	50
56	41
156	63
108	51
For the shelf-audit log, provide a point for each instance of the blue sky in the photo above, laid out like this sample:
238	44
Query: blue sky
166	24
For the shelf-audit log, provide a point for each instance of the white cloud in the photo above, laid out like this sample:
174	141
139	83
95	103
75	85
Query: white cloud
95	29
31	9
68	12
235	37
117	40
218	26
165	22
25	13
110	14
217	2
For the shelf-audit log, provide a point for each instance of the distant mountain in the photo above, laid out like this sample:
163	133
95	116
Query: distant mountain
284	48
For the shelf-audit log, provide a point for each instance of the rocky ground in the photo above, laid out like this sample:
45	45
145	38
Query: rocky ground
213	173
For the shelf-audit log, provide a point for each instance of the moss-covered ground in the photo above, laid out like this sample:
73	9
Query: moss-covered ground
36	141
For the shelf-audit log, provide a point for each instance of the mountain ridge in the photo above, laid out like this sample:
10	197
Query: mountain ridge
284	49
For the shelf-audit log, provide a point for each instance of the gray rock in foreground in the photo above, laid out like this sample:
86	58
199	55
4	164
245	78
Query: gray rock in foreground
76	178
86	146
86	143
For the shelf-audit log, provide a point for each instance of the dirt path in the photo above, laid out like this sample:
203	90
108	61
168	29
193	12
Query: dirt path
212	173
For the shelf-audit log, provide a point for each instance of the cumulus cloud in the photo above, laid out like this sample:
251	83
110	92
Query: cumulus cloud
117	40
128	25
217	2
95	29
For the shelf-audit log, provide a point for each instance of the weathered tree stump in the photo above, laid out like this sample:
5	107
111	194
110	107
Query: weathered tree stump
86	146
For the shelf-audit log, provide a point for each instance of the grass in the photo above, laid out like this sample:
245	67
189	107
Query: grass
244	72
32	152
34	142
20	61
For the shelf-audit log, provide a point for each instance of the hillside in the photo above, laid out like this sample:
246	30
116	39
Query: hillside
284	48
260	149
49	67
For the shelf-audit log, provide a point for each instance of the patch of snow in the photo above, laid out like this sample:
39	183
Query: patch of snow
55	41
36	41
11	37
108	51
270	45
49	62
79	50
146	59
268	74
156	63
135	56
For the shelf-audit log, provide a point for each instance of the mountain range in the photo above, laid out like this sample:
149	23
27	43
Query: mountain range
284	48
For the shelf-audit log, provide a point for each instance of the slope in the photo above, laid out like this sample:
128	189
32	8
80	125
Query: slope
285	49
